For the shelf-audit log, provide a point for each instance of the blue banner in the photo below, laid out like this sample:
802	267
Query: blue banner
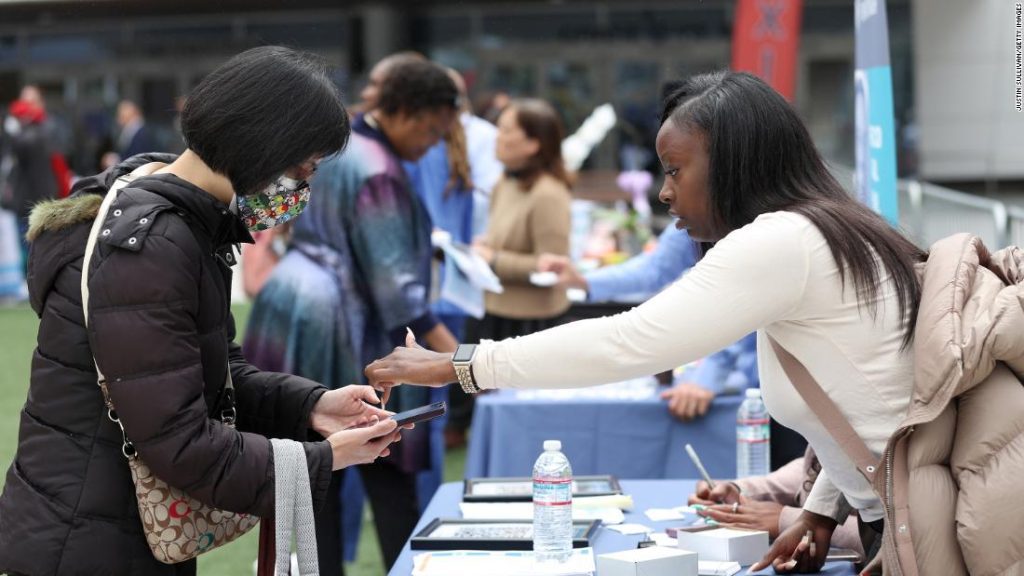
873	111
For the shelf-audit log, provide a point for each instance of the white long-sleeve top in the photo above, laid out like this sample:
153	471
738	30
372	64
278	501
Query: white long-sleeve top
775	275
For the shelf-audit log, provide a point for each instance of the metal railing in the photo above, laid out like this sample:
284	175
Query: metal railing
929	213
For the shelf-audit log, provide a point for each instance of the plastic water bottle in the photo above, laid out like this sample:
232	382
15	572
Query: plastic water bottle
552	505
753	437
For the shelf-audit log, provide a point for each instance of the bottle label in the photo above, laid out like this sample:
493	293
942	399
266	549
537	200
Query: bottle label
753	431
552	492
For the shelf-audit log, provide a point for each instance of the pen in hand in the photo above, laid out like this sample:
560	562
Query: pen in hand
700	467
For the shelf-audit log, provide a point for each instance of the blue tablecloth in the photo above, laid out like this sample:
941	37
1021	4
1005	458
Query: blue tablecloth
625	438
646	494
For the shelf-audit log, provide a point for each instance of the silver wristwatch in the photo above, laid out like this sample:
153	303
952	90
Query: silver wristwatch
462	360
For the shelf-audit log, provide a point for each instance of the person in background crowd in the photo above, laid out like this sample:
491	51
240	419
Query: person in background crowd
160	330
484	167
356	277
529	216
135	137
370	94
455	179
29	153
788	253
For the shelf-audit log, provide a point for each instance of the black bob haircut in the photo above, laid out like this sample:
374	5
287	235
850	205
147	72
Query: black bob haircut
264	111
762	159
417	86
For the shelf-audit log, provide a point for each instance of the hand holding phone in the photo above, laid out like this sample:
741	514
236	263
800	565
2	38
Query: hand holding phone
421	414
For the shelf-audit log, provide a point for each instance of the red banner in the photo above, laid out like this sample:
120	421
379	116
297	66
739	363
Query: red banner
765	40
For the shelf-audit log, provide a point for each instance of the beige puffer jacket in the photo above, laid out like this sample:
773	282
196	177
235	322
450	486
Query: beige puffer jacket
954	479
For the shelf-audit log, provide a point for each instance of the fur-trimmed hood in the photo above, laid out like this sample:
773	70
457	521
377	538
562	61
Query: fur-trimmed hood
84	202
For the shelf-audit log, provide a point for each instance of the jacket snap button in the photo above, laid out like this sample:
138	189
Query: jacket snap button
106	232
144	220
903	528
117	212
132	241
871	469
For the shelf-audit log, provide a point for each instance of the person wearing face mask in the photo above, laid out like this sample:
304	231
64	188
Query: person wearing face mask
161	331
356	277
787	253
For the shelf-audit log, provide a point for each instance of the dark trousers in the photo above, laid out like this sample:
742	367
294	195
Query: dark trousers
392	495
786	445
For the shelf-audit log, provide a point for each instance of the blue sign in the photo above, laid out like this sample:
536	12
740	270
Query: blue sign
875	180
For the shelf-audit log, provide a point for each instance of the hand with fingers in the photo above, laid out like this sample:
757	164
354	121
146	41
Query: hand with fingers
747	514
363	445
568	275
411	364
345	408
688	401
723	492
802	548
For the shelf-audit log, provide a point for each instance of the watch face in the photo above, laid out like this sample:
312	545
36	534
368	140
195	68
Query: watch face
464	353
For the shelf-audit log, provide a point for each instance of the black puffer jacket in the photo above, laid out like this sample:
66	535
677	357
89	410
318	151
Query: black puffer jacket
162	332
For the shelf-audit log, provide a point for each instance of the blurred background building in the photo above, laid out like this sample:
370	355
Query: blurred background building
950	96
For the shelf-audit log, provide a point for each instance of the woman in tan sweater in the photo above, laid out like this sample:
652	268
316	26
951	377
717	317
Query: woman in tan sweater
529	215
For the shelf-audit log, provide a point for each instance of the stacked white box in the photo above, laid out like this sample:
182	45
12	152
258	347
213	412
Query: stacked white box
650	561
726	544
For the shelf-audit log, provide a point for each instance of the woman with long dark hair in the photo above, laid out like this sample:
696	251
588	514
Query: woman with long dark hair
787	253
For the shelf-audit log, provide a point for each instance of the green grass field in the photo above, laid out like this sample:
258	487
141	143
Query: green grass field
17	340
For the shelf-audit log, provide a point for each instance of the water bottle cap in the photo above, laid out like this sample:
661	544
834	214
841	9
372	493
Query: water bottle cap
552	444
753	392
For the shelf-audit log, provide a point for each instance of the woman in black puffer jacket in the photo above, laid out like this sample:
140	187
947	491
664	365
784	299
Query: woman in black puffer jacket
161	331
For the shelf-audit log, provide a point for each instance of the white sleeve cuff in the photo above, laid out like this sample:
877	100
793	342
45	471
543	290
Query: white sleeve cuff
826	500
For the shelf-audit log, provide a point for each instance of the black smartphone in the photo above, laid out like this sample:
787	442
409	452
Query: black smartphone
421	414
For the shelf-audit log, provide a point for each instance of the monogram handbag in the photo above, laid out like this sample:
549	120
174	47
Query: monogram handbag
177	526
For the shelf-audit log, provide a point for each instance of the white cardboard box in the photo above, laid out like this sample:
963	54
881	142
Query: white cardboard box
650	561
726	544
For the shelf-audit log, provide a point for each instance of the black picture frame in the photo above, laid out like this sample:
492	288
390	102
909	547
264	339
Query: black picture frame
441	534
520	489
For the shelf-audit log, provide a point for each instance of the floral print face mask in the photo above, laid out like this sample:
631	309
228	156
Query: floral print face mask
278	203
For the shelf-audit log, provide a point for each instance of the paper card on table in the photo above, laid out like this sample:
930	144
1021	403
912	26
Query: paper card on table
628	529
620	501
663	514
711	568
474	563
524	511
662	539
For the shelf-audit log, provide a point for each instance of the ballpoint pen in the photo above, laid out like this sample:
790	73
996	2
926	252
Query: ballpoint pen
700	467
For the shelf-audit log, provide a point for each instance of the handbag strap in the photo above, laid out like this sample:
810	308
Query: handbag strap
827	412
227	414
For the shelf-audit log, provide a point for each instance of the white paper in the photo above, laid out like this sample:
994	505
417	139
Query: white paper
524	511
629	529
474	563
662	539
543	279
711	568
459	290
472	265
664	514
